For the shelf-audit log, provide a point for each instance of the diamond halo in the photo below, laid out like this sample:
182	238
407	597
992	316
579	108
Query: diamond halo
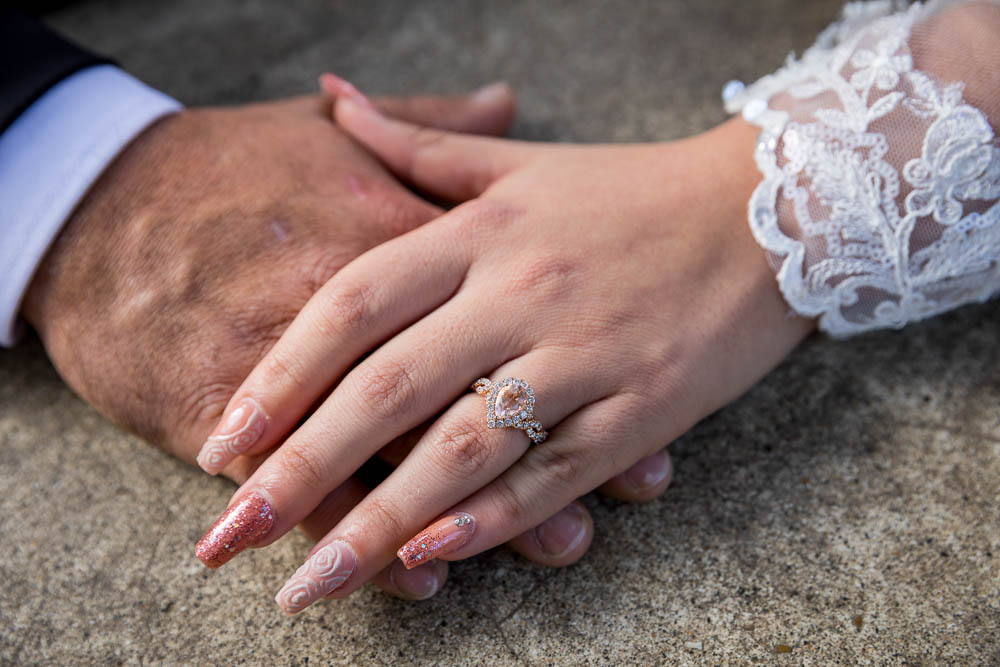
510	403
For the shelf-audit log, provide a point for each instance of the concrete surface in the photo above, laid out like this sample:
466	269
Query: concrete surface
846	508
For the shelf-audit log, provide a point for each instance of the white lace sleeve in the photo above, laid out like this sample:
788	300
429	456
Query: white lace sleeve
881	166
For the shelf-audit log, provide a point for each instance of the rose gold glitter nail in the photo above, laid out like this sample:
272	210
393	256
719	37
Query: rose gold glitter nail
243	525
440	538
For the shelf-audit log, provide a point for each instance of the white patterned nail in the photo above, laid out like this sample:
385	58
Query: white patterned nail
324	572
238	432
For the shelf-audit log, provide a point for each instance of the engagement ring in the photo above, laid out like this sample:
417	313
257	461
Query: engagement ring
511	402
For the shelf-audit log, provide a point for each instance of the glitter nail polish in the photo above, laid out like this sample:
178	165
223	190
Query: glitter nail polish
239	430
440	538
323	573
243	525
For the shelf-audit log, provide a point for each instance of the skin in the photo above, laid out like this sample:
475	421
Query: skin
621	281
198	246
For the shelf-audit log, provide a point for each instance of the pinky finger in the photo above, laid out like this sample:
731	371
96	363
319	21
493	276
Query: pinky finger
559	541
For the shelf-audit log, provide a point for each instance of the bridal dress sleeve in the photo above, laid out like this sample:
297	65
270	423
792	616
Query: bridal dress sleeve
881	165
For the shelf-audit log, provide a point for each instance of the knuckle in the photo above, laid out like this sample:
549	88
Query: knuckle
484	219
200	407
564	468
509	504
465	447
544	275
301	464
347	310
387	389
324	266
258	327
398	214
284	370
383	518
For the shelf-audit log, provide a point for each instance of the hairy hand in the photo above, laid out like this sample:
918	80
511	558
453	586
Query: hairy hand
199	245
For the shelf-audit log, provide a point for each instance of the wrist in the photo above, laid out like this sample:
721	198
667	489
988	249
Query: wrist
719	167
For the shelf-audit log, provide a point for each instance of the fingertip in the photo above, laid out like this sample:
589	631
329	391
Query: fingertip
419	583
493	108
328	84
559	541
646	480
335	87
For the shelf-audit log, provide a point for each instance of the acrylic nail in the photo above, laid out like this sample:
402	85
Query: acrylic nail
419	583
650	471
243	525
238	431
323	573
440	538
562	532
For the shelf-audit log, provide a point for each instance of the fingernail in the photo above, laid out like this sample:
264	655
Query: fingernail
235	434
492	93
334	86
243	525
562	532
439	539
323	573
650	471
419	583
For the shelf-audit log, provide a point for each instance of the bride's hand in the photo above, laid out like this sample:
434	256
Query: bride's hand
621	282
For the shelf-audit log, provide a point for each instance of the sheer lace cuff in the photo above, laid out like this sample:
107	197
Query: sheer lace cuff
881	165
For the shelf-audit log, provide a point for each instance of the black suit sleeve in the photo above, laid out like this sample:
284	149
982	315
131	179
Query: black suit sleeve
32	60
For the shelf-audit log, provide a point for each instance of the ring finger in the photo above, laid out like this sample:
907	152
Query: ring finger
458	455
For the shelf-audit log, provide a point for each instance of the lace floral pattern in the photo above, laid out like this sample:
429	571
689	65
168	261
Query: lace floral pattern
879	200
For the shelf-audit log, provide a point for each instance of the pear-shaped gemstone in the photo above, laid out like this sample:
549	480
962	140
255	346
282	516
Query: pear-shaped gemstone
510	401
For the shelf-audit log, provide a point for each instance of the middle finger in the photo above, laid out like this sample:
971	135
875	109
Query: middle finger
457	456
397	388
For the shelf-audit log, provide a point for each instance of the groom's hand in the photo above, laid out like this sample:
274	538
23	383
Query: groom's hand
202	241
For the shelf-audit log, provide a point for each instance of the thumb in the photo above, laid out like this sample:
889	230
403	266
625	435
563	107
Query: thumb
488	110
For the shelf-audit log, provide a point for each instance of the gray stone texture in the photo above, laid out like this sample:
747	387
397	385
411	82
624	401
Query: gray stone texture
848	507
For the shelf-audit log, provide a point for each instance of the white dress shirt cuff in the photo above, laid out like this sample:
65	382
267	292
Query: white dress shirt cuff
50	156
